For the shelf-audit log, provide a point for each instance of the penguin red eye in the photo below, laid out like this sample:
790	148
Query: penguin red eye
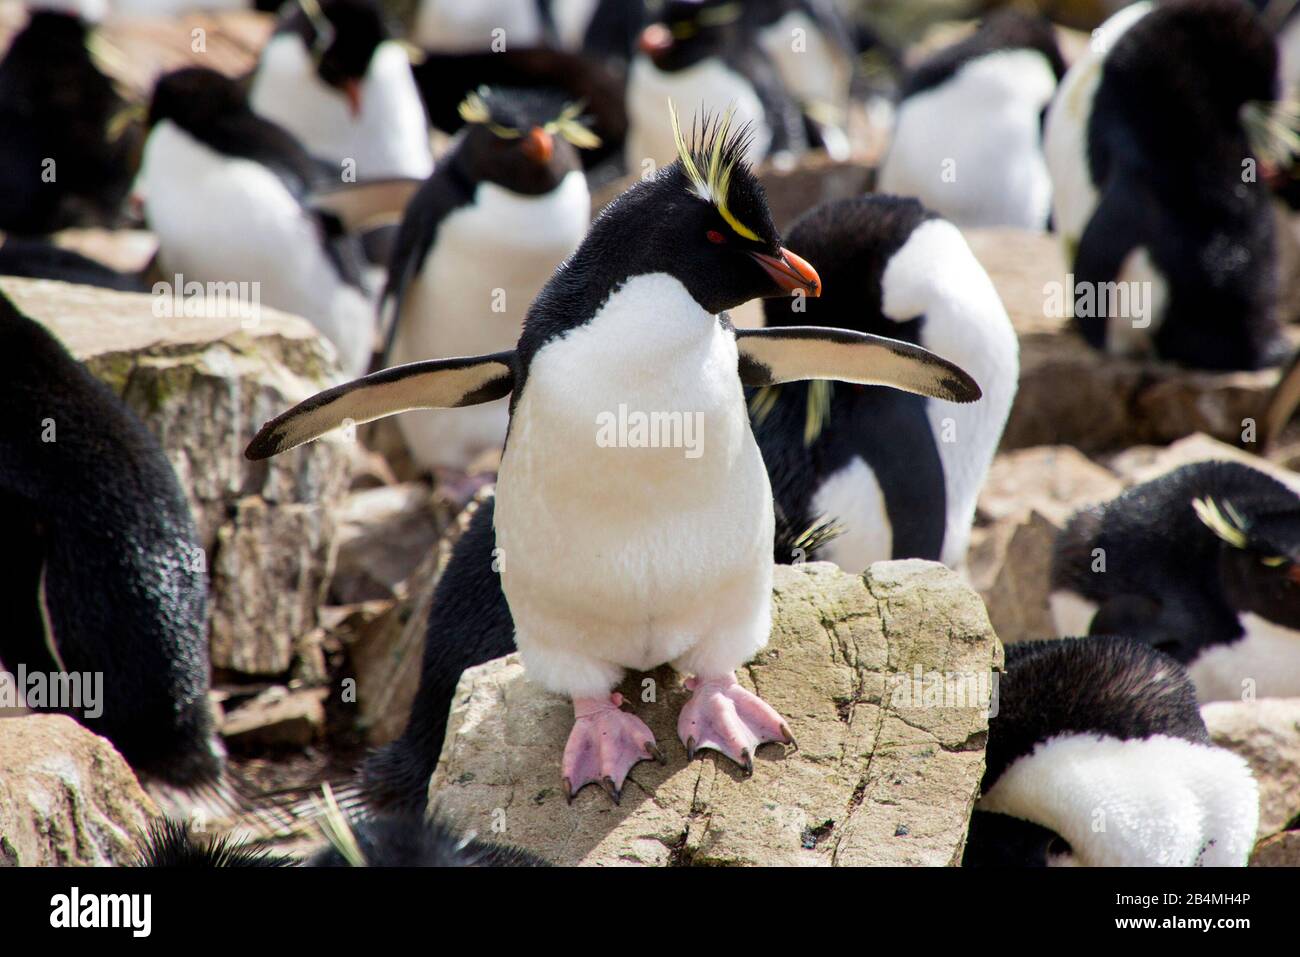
714	236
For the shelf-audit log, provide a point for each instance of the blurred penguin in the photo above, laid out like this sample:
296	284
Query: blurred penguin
968	133
1097	757
333	77
1158	144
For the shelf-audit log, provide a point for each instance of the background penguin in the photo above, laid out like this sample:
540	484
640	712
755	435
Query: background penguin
1149	142
333	77
388	840
479	240
705	52
1202	563
102	563
55	105
226	192
40	259
898	474
1097	756
634	318
967	137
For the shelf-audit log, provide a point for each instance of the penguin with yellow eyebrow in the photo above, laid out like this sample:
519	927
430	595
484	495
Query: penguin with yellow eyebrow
477	243
673	523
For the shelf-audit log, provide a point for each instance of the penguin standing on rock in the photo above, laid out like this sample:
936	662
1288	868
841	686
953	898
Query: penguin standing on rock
103	571
1097	757
333	77
227	194
1157	143
898	474
633	325
968	133
705	52
478	242
1202	563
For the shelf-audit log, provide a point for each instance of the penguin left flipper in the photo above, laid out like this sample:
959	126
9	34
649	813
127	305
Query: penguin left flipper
362	206
432	384
791	353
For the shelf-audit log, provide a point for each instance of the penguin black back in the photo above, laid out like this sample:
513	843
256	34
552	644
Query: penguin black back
103	554
340	35
1004	30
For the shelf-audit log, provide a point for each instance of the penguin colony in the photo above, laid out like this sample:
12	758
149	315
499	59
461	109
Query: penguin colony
424	198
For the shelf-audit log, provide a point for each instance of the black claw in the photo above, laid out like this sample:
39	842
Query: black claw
747	761
568	792
653	750
608	784
789	738
690	748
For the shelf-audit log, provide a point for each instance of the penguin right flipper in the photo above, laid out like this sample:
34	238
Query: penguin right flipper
1282	404
432	384
793	353
362	206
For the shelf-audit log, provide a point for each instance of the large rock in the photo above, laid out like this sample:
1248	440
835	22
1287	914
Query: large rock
878	776
204	386
1266	732
66	797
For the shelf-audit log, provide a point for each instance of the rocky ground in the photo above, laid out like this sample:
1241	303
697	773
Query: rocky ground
323	561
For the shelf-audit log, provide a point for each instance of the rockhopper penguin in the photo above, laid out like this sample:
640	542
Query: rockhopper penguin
968	132
1098	757
676	541
334	77
478	241
227	194
103	571
1156	142
1202	563
897	474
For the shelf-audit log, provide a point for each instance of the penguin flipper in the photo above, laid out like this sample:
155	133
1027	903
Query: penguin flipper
1281	405
432	384
792	353
363	206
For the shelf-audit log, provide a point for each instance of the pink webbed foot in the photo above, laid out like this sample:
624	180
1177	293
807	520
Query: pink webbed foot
724	716
604	745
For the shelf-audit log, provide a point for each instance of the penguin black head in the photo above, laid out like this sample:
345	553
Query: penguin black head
688	31
341	37
703	220
524	140
195	97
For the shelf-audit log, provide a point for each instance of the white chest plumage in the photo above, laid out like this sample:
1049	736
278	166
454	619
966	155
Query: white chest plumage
936	275
971	148
224	219
389	137
1264	663
488	262
626	549
709	85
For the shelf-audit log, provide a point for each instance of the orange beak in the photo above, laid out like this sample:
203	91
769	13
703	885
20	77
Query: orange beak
352	90
791	273
538	145
655	39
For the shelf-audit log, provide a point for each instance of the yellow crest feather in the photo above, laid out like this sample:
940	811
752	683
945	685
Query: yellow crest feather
710	150
1230	528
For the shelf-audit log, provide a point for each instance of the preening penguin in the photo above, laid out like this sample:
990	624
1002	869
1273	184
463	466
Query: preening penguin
479	240
333	77
1097	756
967	137
1202	563
63	161
227	193
705	52
898	474
103	569
1153	143
633	321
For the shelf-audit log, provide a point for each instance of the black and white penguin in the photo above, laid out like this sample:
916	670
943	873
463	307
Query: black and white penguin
898	474
967	137
484	233
705	52
64	161
40	259
334	77
1097	757
103	571
386	840
1154	142
603	28
1202	563
226	192
631	328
